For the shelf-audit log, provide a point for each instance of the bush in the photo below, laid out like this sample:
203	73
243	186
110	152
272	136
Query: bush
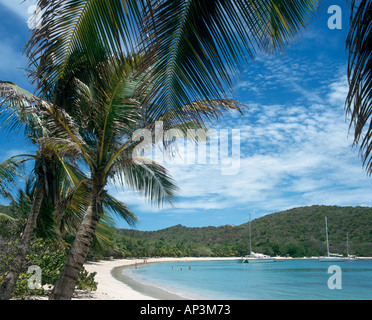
50	256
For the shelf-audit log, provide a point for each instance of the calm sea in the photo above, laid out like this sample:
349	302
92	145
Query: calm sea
288	280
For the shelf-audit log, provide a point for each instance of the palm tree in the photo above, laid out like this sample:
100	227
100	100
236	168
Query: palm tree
59	188
106	112
359	99
20	100
9	282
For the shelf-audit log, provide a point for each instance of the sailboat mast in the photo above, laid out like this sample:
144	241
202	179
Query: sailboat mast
347	243
327	235
250	236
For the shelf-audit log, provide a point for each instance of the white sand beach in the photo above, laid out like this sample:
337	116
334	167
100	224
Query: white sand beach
110	288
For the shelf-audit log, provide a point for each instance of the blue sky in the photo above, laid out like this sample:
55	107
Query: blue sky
295	148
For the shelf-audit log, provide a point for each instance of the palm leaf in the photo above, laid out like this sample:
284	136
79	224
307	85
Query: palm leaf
359	99
10	172
20	108
105	234
7	217
70	25
194	47
148	178
120	209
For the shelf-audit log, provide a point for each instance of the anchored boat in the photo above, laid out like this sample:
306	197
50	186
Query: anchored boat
331	257
255	257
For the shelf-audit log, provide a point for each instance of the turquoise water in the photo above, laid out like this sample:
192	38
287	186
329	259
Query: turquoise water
230	280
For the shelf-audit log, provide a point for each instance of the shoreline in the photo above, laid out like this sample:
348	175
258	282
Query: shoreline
111	288
113	285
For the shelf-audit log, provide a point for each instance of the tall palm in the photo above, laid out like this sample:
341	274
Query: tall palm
107	112
9	282
59	186
16	100
192	49
359	99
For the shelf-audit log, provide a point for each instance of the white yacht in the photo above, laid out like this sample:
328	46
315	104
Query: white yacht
255	257
349	256
331	257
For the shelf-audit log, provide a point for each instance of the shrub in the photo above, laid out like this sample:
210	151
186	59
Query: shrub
50	256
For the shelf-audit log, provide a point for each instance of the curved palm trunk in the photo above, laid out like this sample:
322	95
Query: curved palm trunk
7	286
65	285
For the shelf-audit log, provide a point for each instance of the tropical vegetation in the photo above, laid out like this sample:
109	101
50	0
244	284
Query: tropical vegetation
297	232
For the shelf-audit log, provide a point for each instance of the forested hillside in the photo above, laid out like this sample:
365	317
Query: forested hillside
295	232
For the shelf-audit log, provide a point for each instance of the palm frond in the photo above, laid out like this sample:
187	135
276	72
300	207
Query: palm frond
194	48
192	115
10	171
359	99
117	104
7	217
120	209
70	25
150	179
19	109
105	234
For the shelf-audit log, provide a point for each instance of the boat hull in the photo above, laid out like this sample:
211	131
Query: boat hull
253	260
332	259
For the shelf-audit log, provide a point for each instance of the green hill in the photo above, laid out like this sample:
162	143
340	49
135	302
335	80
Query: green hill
295	232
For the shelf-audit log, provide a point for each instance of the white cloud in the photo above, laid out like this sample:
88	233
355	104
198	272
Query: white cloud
295	149
338	92
19	7
284	163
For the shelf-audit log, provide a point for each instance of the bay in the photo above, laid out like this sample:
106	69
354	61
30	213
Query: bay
292	279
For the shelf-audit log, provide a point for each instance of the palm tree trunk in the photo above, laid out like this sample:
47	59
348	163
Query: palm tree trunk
65	285
7	286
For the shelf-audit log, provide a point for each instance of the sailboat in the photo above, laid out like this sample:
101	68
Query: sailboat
255	257
349	256
331	257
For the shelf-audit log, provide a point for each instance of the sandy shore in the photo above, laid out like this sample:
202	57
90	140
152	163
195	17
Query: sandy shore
109	288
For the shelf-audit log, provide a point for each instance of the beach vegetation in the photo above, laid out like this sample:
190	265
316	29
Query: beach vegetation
296	233
47	254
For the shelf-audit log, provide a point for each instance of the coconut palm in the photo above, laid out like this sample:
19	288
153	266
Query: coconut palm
18	101
106	114
59	187
359	99
9	282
